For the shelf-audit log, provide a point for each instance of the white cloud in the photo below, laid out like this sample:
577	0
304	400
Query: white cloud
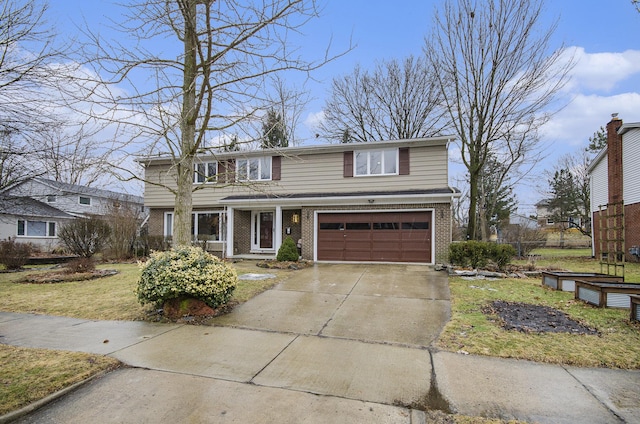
313	121
601	71
574	124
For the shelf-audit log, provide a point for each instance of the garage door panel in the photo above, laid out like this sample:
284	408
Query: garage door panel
375	236
386	236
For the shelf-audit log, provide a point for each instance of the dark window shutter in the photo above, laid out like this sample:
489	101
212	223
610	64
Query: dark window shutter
276	167
348	164
227	171
222	171
403	159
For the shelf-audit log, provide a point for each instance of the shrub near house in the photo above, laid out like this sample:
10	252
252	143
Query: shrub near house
186	272
478	254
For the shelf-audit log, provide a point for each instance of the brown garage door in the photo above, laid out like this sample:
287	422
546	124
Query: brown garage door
375	236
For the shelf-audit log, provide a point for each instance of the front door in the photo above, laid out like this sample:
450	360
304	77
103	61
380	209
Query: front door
262	237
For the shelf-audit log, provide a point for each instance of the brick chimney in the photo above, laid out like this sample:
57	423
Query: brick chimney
614	156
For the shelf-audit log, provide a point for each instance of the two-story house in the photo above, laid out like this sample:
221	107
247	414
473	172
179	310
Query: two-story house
35	209
615	191
386	201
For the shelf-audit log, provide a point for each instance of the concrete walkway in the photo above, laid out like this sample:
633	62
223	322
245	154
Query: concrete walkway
332	343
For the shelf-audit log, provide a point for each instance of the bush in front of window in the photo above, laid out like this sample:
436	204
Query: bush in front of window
288	252
85	236
186	271
14	255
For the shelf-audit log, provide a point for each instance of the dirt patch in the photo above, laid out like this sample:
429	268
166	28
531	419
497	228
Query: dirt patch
535	318
65	277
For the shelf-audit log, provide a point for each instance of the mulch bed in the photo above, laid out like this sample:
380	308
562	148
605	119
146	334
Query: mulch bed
535	318
65	277
271	264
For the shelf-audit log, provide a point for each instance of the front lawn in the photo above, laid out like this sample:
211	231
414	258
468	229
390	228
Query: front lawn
108	298
27	375
472	331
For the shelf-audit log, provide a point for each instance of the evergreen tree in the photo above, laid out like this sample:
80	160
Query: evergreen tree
496	198
564	202
597	141
274	133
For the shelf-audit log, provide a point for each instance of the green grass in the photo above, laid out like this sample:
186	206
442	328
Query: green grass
549	252
27	375
110	298
470	330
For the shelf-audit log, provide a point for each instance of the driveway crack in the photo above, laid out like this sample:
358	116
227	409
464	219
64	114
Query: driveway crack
272	359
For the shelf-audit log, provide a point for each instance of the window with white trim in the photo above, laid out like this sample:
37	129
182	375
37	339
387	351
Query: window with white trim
376	162
83	200
205	172
206	225
254	169
36	228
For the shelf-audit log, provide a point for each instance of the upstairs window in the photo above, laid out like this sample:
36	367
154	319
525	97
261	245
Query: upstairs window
83	200
205	172
254	169
51	199
376	162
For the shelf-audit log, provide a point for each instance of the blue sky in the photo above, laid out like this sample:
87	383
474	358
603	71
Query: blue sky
605	35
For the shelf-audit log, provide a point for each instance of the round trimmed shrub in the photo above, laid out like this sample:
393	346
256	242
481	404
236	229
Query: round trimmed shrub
288	252
186	271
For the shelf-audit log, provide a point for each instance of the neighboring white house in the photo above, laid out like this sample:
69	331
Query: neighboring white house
615	184
34	210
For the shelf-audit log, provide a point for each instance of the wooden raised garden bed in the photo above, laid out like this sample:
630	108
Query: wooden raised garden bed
566	280
605	294
635	308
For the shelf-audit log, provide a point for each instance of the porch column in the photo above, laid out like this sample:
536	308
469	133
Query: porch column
229	240
278	235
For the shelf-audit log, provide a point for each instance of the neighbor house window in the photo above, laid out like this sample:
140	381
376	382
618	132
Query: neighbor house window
550	221
376	162
205	172
85	200
204	225
36	228
51	199
254	169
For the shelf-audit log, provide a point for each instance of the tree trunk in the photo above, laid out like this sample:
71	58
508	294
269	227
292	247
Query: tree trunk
183	207
472	228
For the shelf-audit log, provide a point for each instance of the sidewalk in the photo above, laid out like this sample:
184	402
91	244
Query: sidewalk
316	357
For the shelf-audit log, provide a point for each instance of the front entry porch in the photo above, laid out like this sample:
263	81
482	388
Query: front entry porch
258	233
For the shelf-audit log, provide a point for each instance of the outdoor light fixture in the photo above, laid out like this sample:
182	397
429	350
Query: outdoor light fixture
295	218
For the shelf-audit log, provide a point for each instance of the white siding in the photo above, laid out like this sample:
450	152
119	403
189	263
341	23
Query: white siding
631	166
599	185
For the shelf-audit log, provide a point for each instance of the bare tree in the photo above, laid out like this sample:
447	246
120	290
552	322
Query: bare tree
289	102
397	100
69	155
26	53
207	76
491	63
